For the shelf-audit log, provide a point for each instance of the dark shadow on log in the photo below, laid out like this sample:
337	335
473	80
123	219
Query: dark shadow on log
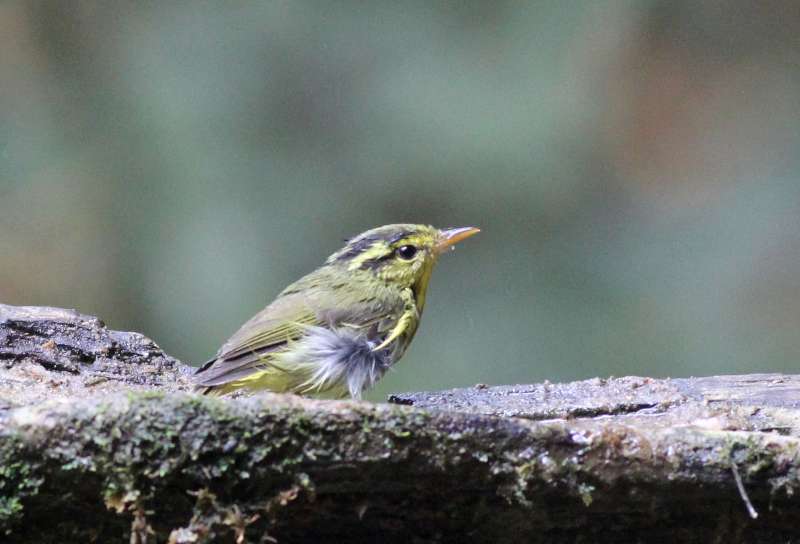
101	439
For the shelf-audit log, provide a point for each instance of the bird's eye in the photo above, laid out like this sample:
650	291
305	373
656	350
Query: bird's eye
406	252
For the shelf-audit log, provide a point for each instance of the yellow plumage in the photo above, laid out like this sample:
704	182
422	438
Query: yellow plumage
337	330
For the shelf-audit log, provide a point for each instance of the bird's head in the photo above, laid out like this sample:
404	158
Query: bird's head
401	254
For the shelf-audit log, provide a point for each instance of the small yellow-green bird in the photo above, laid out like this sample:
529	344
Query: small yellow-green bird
337	330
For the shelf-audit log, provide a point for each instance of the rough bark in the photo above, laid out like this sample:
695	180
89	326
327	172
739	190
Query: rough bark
102	439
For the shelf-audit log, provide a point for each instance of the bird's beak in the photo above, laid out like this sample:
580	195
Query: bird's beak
450	237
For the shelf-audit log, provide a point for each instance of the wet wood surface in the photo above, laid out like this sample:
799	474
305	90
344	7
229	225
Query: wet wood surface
102	439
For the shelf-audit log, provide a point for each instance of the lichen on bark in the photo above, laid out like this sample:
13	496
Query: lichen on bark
102	439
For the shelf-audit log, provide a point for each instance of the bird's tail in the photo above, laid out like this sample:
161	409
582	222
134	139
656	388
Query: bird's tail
205	389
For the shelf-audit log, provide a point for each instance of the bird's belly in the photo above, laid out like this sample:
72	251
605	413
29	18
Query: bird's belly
334	361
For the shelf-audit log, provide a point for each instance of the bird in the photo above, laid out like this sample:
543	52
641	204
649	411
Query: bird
336	331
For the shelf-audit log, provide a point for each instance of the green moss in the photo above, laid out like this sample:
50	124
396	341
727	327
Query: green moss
19	480
230	468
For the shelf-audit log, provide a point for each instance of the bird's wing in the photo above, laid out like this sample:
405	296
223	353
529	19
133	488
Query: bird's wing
271	329
285	320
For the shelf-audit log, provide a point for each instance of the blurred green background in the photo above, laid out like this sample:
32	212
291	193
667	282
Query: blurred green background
633	165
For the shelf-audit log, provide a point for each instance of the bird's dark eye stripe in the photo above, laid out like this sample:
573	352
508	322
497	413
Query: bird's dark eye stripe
406	252
356	246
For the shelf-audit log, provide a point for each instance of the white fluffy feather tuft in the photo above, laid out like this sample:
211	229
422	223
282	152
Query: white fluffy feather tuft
338	359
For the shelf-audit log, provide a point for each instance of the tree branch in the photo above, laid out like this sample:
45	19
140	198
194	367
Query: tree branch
101	439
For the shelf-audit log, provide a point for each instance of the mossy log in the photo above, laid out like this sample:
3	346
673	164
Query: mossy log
102	440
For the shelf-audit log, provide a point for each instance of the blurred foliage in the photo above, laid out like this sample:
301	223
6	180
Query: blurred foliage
633	165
